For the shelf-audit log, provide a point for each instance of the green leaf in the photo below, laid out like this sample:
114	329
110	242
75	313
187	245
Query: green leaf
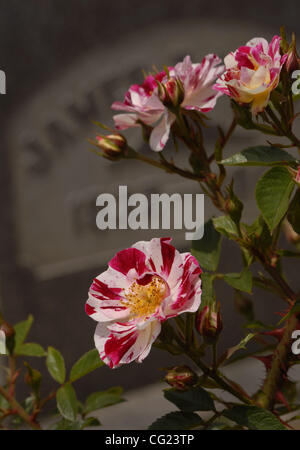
254	418
195	399
259	156
102	399
30	349
225	225
56	365
21	331
87	363
65	424
273	191
90	422
207	250
294	212
208	294
241	281
67	402
177	421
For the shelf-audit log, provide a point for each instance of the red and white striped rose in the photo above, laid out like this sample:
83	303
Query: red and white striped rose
252	72
143	286
143	104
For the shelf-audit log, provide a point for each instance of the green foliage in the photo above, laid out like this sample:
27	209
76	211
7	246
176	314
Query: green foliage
21	331
241	281
194	399
273	192
102	399
207	250
259	156
89	362
67	402
254	418
30	349
208	295
226	226
177	421
56	365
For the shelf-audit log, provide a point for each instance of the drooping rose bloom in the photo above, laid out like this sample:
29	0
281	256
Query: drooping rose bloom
252	72
143	286
142	102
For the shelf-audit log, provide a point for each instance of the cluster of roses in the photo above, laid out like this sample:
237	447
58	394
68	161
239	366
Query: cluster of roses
151	281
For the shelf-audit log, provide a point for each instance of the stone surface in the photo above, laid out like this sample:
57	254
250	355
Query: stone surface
64	67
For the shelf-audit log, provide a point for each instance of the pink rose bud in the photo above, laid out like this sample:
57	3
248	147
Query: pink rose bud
181	377
171	93
209	323
112	145
292	62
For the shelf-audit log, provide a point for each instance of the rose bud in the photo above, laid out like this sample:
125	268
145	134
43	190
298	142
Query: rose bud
209	323
181	377
171	93
292	62
112	145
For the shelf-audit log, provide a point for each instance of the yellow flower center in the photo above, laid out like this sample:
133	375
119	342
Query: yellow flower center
143	300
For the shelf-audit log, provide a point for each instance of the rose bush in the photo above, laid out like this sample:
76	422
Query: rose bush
133	298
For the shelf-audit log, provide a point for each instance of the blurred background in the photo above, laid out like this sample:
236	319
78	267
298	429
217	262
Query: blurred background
65	63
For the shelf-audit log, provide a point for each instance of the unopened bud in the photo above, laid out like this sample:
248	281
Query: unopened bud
209	323
171	92
181	377
112	145
292	61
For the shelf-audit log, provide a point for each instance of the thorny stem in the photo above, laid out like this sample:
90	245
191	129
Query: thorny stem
279	365
212	373
219	379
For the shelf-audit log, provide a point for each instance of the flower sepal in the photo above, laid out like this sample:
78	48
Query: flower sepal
113	146
171	93
181	378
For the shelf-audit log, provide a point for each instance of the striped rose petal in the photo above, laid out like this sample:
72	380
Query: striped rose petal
143	286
